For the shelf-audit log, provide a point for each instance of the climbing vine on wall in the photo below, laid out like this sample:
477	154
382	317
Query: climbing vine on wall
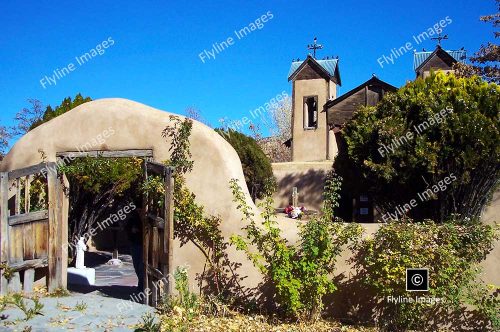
191	222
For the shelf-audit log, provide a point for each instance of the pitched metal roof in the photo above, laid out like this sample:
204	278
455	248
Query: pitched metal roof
295	65
330	65
374	80
420	57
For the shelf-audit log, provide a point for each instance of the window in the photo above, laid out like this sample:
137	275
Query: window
311	112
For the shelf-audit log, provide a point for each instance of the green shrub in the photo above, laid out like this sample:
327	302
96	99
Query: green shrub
301	273
331	194
148	324
59	292
256	165
186	300
7	271
177	311
450	252
81	306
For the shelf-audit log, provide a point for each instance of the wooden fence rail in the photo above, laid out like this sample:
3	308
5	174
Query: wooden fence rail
32	240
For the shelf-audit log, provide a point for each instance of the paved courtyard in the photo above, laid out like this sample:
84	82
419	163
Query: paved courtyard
61	314
107	303
118	281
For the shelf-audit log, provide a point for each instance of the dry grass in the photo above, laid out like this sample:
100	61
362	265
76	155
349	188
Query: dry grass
239	322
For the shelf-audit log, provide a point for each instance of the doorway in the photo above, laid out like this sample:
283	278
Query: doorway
45	256
126	227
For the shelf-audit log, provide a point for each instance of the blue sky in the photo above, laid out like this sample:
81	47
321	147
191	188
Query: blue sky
155	56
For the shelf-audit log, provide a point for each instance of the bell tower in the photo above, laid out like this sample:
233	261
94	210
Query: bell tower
314	82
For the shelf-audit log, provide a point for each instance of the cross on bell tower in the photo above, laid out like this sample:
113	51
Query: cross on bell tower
314	47
439	38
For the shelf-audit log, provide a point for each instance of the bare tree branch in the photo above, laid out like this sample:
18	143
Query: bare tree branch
27	117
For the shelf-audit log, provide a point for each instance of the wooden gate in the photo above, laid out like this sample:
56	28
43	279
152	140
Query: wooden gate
158	235
33	240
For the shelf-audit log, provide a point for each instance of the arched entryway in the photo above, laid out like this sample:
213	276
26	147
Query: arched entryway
119	125
24	232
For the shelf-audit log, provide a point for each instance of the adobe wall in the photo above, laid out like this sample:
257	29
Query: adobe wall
137	126
308	177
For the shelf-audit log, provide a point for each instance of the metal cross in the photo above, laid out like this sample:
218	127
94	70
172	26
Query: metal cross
314	47
439	38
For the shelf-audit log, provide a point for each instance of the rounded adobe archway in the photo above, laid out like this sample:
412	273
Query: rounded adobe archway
121	124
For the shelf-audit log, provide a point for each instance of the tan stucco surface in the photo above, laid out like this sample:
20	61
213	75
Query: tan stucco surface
491	265
308	177
137	126
311	144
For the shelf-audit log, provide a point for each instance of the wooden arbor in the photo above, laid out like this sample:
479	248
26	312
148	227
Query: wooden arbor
38	240
31	240
157	222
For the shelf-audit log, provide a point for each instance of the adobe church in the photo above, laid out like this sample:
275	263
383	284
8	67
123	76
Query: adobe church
317	113
318	116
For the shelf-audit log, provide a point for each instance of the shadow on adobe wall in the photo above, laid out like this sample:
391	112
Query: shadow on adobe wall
355	302
227	286
310	187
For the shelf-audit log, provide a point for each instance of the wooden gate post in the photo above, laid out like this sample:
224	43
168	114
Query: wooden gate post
63	210
145	239
169	227
158	236
4	226
58	230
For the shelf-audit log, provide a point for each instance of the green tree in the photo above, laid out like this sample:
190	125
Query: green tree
31	117
399	160
256	165
66	105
